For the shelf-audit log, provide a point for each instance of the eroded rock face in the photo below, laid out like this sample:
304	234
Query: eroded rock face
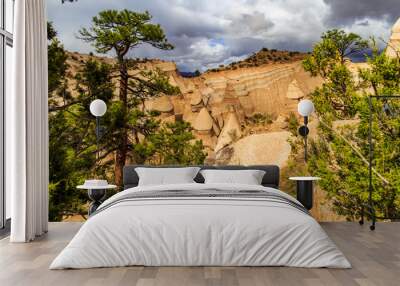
223	157
203	121
230	133
162	104
294	91
393	48
196	99
219	104
268	148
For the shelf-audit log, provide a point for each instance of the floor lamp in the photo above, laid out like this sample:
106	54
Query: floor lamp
370	205
96	188
98	108
305	109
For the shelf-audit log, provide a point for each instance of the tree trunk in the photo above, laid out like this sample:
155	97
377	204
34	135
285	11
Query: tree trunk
121	153
120	159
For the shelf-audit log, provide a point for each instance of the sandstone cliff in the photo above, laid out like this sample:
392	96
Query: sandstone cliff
240	111
220	105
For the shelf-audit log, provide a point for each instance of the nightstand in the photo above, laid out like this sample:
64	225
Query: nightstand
305	190
96	194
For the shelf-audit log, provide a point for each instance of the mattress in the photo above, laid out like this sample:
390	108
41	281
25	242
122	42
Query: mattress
201	225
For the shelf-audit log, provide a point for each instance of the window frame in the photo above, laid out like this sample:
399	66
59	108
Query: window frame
6	39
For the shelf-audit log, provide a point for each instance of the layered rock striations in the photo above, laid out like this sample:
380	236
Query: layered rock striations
219	104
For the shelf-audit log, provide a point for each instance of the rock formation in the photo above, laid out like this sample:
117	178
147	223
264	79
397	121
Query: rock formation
294	91
268	148
231	96
219	104
230	133
393	48
203	122
162	104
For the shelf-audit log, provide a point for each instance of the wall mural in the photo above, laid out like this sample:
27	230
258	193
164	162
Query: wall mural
209	106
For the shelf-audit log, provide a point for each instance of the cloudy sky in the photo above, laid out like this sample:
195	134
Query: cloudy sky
207	33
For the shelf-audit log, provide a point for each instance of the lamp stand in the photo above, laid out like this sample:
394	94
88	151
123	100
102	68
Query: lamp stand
303	131
305	138
97	141
369	208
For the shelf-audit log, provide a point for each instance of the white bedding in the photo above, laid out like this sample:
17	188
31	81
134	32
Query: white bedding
200	231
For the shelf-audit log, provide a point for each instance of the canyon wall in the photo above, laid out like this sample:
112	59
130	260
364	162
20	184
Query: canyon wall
241	115
241	112
219	104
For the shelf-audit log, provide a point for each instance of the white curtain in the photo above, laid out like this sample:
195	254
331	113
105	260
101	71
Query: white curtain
26	124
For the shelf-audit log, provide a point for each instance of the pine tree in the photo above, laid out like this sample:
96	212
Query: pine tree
339	154
120	32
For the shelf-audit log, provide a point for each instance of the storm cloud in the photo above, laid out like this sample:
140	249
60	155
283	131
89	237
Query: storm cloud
345	12
209	33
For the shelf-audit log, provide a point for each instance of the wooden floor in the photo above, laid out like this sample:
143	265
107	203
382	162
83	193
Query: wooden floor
375	257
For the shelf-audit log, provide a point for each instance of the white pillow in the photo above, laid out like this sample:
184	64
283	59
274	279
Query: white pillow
248	177
166	176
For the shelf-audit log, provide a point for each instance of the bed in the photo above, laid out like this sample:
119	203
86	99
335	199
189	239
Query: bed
201	224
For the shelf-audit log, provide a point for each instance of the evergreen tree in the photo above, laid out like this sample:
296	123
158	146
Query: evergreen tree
383	78
72	136
174	144
72	127
120	32
68	138
339	154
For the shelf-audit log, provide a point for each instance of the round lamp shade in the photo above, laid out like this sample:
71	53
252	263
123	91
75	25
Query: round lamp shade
98	107
305	107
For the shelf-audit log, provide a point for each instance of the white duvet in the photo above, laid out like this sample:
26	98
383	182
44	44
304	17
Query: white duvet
200	231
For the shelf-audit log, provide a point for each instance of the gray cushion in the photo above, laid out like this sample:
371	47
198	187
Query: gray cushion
270	179
166	176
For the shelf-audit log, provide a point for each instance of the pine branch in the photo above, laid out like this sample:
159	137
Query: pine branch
356	150
57	108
